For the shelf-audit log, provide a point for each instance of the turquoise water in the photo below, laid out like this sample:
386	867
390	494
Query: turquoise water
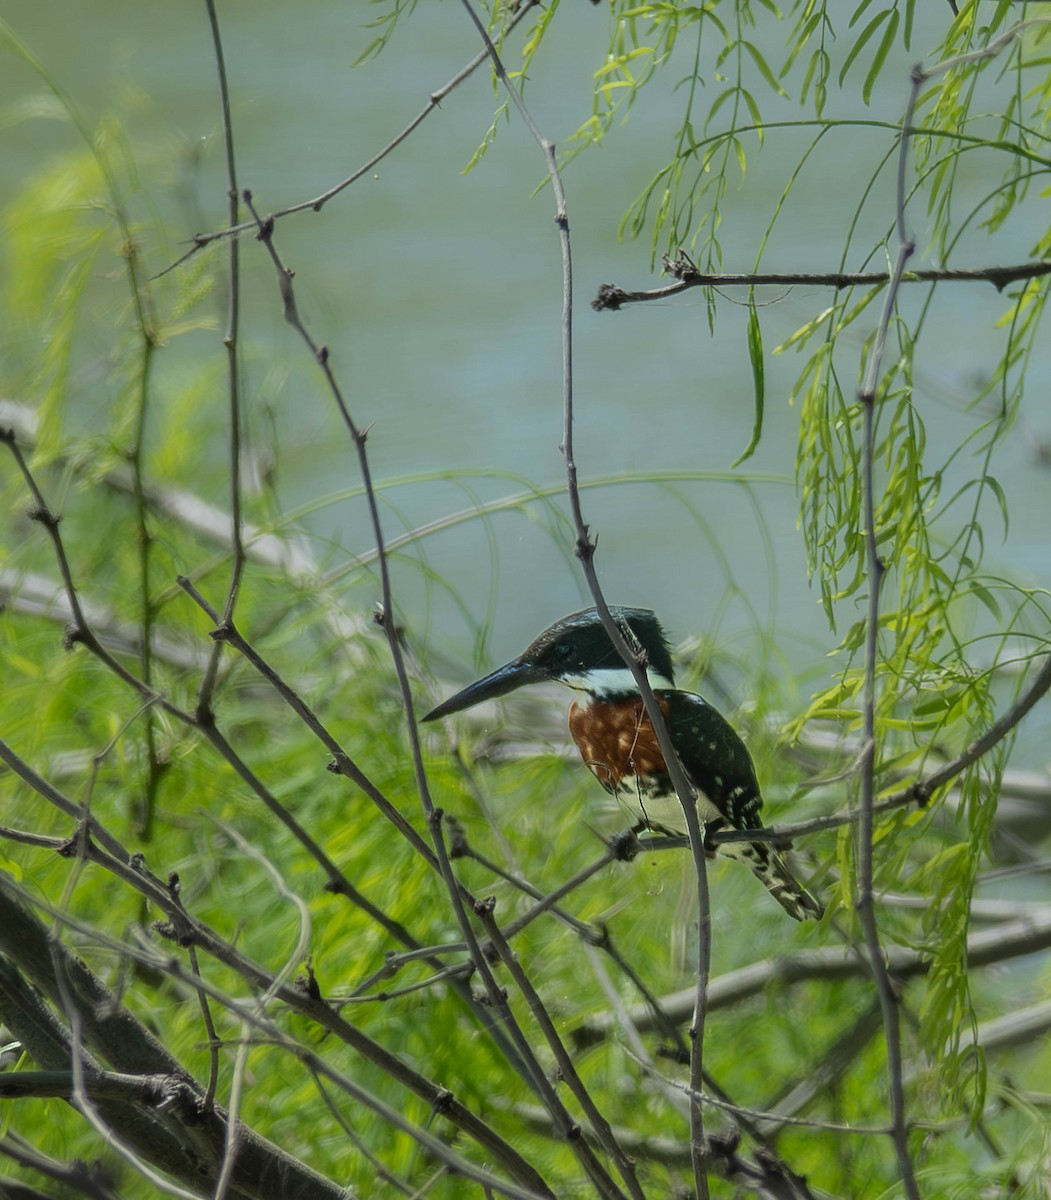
439	295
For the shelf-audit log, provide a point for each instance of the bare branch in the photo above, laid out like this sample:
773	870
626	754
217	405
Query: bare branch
434	101
611	298
585	551
1013	939
112	1032
233	368
602	1131
85	1179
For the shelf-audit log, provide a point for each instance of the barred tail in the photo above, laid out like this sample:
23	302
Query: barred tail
779	881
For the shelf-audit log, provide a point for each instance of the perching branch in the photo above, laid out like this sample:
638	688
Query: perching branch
585	551
918	792
612	298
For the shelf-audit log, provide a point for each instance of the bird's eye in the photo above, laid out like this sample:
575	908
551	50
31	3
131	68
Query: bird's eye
563	651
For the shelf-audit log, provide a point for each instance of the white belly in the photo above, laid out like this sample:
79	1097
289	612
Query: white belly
663	811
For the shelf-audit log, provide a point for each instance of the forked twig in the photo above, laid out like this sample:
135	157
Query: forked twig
458	895
434	101
867	768
611	298
233	365
585	551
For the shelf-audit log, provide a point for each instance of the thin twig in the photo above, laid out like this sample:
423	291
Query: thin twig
76	1176
280	979
919	792
228	632
612	298
585	551
567	1070
82	632
434	101
146	327
359	1144
458	896
864	900
592	935
233	364
185	928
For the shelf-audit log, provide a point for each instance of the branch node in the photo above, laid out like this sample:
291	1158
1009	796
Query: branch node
457	838
75	844
921	793
673	1053
43	516
72	636
181	936
307	983
585	547
681	267
598	935
609	297
625	846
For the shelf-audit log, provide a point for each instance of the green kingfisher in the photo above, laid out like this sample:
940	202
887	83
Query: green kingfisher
617	742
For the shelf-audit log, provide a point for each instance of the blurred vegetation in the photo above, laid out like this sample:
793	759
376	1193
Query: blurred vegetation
797	1068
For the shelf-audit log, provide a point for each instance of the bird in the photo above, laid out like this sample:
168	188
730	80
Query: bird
617	742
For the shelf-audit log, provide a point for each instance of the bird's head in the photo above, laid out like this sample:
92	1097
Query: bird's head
576	651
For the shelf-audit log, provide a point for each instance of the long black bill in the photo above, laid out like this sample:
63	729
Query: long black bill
505	679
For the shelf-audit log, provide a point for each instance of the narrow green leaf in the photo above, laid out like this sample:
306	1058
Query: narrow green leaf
886	42
716	104
860	44
983	594
993	484
805	331
858	13
757	116
764	68
742	158
490	137
755	355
